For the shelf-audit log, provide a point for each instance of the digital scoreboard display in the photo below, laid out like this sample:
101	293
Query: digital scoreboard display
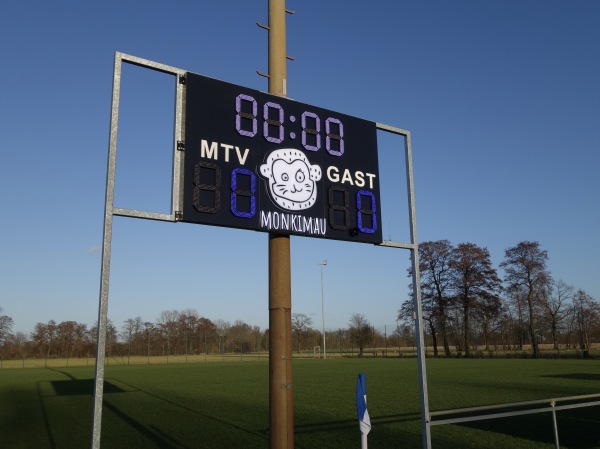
267	163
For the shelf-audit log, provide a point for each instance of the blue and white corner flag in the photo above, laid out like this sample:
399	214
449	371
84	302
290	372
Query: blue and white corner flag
361	405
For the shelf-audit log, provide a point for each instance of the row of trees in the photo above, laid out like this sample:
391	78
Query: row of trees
465	303
464	297
176	333
173	333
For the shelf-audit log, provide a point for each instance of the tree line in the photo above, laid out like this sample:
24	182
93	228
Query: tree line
172	333
466	304
182	333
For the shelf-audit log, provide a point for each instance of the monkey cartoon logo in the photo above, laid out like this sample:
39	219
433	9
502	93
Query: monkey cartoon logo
292	179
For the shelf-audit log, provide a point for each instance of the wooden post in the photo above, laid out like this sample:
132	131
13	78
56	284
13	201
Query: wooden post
281	418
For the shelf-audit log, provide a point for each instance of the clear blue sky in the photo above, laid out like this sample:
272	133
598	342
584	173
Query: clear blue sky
502	99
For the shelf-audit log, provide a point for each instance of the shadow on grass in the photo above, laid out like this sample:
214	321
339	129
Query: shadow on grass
192	411
74	387
152	433
352	424
577	429
82	387
575	376
60	388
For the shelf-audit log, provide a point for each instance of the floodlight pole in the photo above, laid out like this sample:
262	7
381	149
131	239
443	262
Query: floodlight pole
281	419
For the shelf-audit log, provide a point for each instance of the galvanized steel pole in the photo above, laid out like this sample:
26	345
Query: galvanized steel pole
281	418
416	281
323	263
106	250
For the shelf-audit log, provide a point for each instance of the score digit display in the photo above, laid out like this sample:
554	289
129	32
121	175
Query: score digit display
266	163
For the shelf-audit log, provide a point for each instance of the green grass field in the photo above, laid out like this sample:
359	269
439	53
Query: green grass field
225	404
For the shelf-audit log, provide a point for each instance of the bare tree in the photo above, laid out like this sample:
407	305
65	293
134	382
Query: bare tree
188	324
474	281
208	333
489	310
516	301
240	334
6	325
361	332
436	281
67	332
223	331
167	322
587	312
18	342
407	315
301	323
554	301
132	329
525	265
44	336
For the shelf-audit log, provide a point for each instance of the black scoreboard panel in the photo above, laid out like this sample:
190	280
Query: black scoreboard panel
267	163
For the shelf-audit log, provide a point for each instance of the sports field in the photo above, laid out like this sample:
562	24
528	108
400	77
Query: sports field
225	404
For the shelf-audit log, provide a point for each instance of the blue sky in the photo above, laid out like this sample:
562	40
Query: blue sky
501	98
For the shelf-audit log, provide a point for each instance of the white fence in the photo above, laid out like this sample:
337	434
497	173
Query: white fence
515	409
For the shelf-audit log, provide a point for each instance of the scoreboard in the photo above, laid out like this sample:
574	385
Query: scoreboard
268	163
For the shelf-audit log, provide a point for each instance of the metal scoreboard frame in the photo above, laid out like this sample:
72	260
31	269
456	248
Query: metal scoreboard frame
251	160
223	152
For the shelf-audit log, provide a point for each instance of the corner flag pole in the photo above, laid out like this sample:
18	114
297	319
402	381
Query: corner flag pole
364	421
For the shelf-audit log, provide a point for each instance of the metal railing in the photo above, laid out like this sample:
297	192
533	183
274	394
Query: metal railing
539	406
